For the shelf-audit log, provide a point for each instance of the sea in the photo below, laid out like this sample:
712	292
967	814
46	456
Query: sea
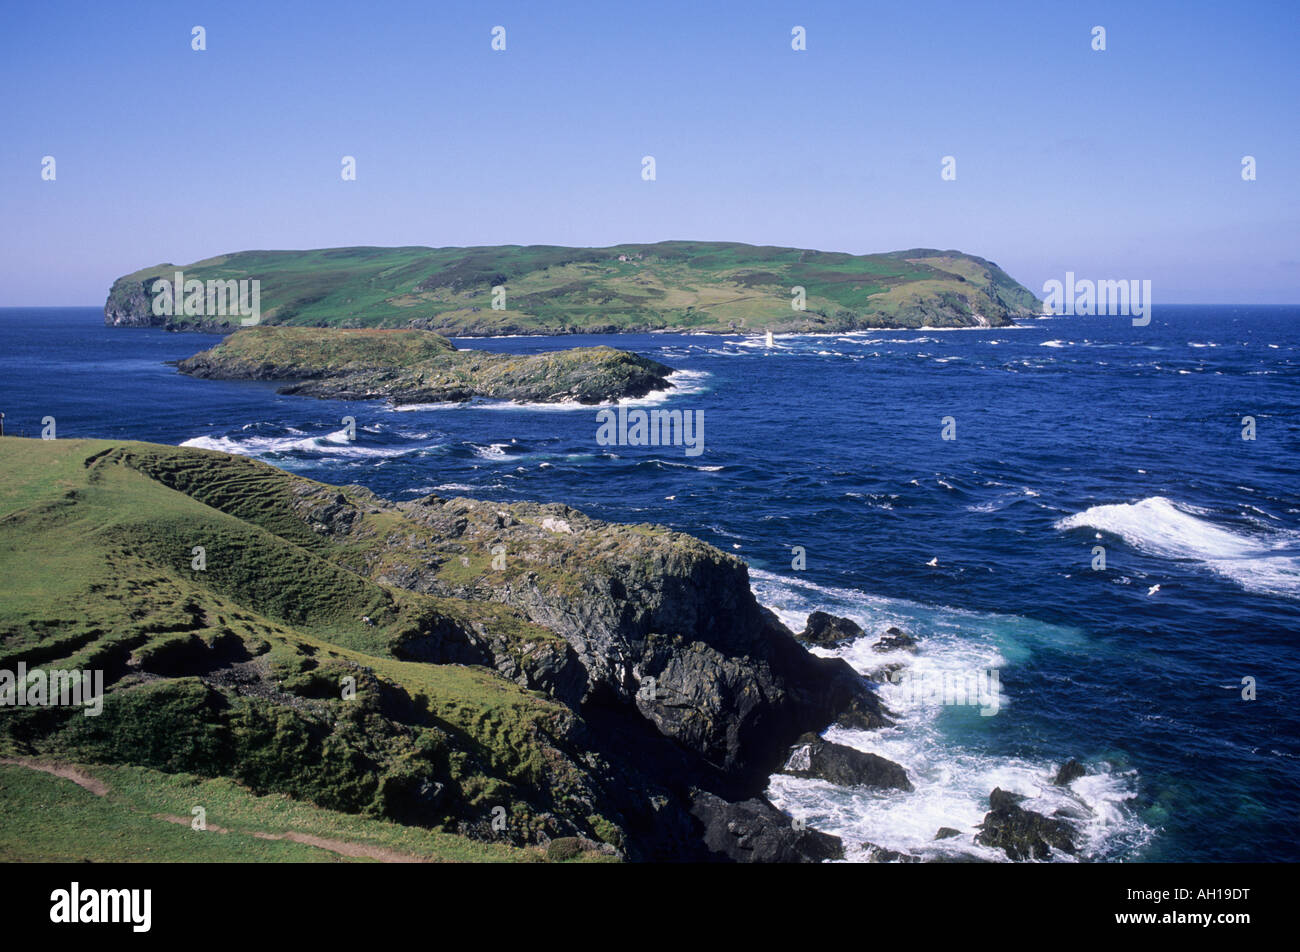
1095	524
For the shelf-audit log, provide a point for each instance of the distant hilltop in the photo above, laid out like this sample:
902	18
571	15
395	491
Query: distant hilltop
685	286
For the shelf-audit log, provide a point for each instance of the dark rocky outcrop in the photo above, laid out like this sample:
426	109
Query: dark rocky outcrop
844	766
1020	833
946	833
1070	771
829	631
754	831
895	639
858	710
657	620
129	304
878	854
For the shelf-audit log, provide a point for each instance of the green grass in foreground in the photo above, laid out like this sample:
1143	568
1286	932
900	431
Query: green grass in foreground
52	819
95	541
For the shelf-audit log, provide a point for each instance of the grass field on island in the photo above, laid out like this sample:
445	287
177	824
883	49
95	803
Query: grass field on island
719	287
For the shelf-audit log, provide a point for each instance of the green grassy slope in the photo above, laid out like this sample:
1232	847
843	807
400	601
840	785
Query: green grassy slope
51	819
679	285
235	671
311	352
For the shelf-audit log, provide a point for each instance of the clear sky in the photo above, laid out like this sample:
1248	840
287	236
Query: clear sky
1117	164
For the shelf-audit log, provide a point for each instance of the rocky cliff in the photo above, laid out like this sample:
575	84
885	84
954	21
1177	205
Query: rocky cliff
618	684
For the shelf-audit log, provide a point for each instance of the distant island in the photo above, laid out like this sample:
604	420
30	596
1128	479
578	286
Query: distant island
416	366
682	286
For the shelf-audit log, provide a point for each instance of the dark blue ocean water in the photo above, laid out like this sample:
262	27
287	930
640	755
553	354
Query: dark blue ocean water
1072	432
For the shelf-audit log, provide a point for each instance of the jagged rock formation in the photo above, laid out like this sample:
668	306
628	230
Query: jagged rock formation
753	831
608	682
829	631
895	639
1021	833
844	766
1070	771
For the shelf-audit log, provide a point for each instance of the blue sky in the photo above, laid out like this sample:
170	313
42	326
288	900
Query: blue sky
1117	164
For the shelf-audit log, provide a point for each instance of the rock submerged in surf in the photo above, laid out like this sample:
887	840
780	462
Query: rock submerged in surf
1022	834
825	630
885	673
818	759
878	854
1070	771
895	639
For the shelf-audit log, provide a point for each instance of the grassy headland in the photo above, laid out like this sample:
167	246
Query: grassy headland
263	635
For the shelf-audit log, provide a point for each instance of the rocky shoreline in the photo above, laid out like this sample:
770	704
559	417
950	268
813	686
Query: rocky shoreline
1018	832
522	672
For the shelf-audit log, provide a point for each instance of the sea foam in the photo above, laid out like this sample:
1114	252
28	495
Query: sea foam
1268	564
951	770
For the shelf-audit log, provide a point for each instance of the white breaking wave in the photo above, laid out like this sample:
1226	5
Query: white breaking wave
494	451
1266	564
684	383
952	780
331	444
672	465
418	407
